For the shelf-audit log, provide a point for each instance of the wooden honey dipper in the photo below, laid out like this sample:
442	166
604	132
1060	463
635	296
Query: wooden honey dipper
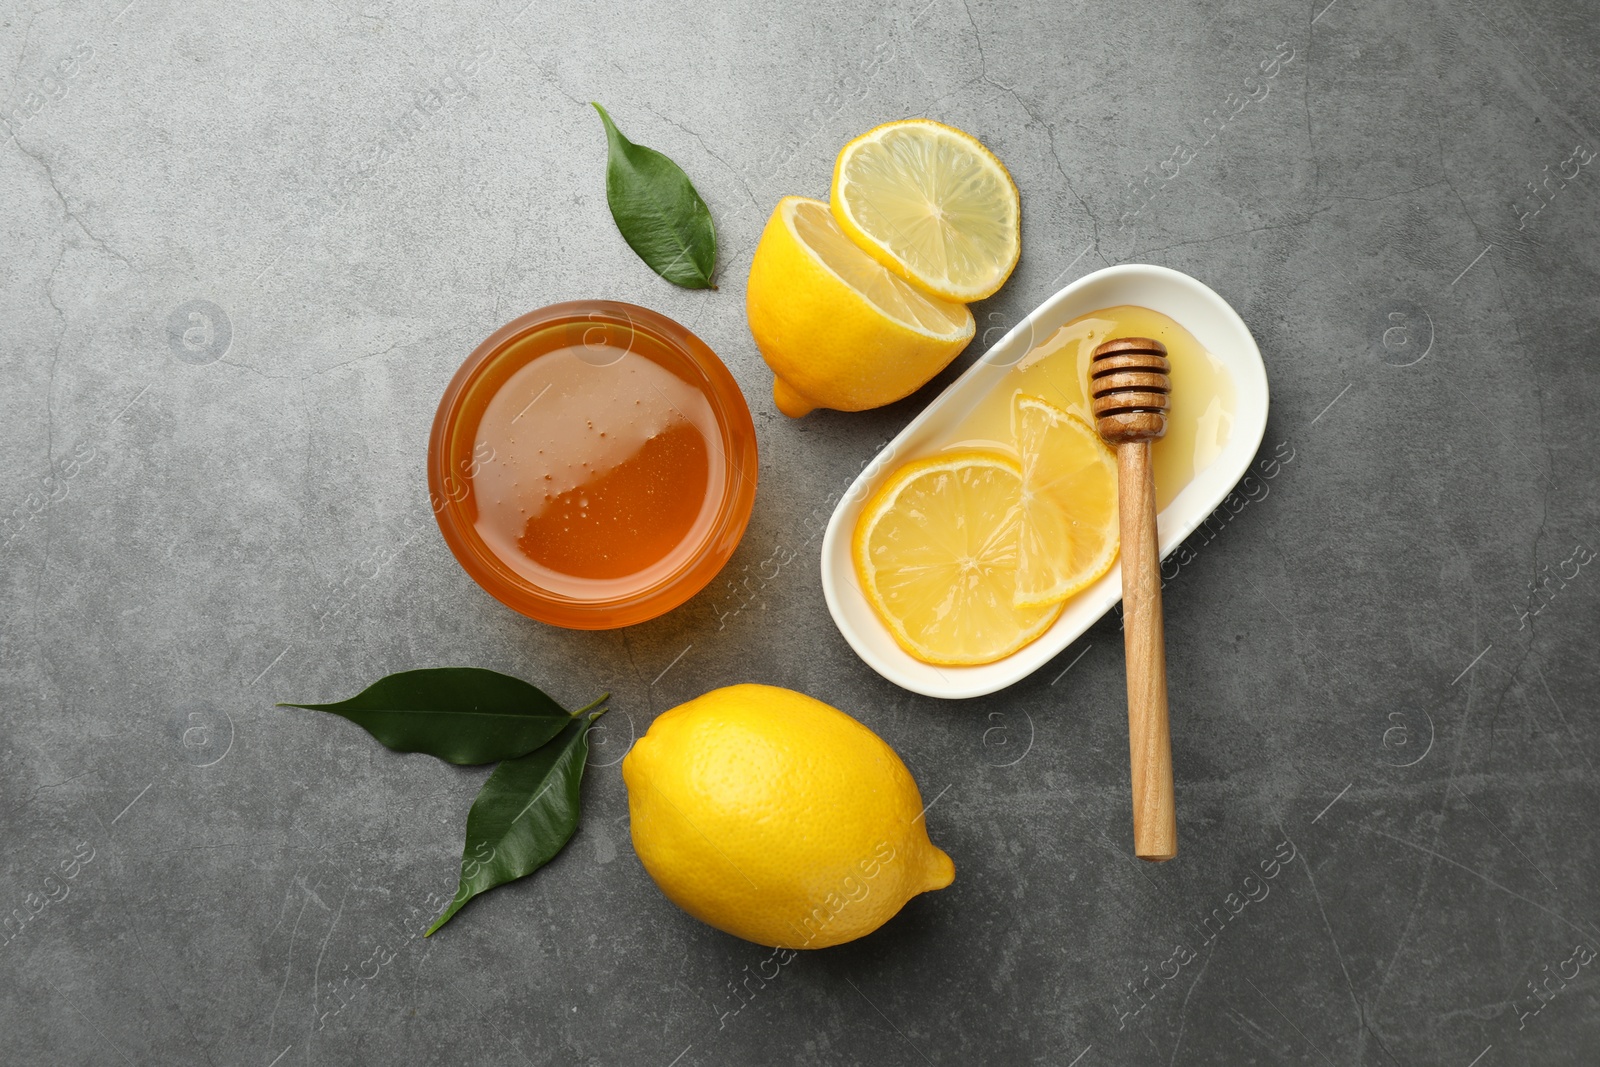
1129	380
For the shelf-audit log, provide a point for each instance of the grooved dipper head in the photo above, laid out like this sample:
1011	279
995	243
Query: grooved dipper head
1130	383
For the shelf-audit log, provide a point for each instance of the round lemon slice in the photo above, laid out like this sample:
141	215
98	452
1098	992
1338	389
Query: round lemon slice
933	205
1067	536
837	329
935	551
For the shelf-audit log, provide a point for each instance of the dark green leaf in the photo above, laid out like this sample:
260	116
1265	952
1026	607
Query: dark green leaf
524	814
460	714
658	211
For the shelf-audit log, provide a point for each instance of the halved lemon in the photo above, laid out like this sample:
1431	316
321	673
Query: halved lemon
837	329
1067	537
935	551
932	204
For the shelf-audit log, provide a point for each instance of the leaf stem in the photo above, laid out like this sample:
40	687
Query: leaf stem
601	699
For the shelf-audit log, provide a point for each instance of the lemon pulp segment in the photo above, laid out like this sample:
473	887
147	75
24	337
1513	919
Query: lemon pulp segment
936	553
933	205
1067	537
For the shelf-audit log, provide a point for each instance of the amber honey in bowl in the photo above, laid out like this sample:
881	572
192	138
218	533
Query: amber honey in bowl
593	464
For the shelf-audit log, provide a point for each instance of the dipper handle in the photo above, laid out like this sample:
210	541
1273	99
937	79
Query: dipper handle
1131	385
1155	819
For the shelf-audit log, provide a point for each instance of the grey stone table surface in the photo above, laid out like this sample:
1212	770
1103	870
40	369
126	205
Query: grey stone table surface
242	249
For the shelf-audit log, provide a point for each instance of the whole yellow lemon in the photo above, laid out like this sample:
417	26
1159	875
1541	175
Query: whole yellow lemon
778	819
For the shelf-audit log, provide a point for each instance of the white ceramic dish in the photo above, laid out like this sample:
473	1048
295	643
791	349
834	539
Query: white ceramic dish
1199	310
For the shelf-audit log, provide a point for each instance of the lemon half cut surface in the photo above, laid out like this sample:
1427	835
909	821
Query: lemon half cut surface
936	552
932	204
1067	538
837	328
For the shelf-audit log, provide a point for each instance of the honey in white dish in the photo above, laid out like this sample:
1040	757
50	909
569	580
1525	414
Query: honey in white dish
1057	370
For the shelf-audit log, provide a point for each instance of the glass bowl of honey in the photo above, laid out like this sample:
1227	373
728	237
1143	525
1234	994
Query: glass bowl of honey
592	464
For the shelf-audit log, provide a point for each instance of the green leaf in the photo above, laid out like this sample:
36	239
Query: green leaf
460	714
658	211
524	814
